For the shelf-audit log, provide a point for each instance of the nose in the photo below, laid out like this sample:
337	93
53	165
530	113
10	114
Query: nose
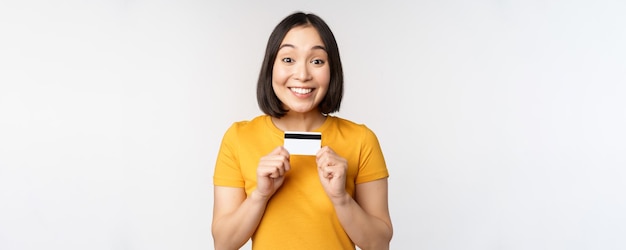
301	72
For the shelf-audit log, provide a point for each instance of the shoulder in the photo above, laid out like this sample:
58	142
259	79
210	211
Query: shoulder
346	124
349	126
247	126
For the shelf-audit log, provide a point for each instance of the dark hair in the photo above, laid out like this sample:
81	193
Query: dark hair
267	99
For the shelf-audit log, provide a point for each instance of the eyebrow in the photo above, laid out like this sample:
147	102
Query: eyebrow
291	46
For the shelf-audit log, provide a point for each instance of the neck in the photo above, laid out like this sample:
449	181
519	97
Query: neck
299	121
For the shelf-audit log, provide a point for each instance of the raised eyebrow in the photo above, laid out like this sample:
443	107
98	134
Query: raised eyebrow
286	45
319	47
291	46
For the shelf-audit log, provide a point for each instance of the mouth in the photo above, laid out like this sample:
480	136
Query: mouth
301	91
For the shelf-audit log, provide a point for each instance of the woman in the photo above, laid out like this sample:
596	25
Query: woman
332	200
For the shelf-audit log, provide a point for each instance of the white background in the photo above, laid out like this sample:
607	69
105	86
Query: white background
502	122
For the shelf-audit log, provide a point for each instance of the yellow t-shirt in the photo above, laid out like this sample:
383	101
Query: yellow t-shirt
299	215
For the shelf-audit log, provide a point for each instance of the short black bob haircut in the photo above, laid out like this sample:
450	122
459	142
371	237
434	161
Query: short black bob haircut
267	99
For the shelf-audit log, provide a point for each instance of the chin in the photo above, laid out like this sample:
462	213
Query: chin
301	110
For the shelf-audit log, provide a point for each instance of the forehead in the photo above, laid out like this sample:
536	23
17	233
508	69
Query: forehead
306	36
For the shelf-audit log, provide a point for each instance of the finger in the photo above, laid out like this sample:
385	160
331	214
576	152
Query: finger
272	171
287	165
283	151
268	166
281	170
277	150
327	172
275	173
325	160
320	152
276	161
283	158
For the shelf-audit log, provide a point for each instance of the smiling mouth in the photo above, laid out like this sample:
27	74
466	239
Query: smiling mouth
301	91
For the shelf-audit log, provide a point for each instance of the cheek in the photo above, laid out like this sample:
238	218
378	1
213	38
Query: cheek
324	77
279	75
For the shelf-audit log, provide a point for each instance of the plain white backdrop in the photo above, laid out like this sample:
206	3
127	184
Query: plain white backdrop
502	121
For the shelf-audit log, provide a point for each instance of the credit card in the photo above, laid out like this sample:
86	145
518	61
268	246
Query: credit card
303	143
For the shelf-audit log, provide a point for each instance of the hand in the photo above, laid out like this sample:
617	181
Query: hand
332	170
271	172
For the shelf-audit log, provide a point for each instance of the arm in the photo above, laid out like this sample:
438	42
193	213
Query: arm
235	216
366	218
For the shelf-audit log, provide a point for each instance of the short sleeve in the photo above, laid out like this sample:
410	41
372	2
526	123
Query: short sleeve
227	167
372	164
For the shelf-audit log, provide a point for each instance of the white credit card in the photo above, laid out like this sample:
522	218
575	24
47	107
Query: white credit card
303	143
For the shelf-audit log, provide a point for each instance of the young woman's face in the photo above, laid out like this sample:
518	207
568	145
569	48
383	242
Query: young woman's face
301	73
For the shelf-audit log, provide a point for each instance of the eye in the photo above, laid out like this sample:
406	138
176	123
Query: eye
287	60
318	61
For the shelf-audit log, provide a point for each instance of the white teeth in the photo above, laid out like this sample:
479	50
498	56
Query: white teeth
301	91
